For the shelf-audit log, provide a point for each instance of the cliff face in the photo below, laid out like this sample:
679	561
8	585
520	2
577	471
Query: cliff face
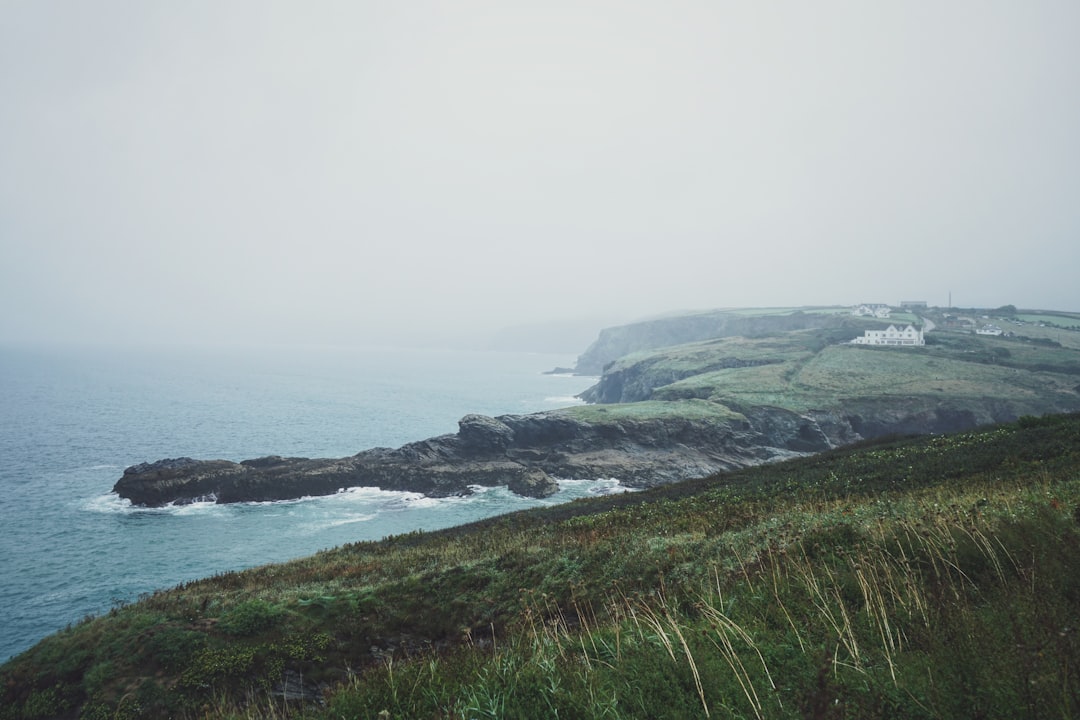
952	384
523	452
637	382
616	342
528	453
675	413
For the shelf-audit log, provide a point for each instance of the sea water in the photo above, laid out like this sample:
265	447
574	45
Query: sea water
71	420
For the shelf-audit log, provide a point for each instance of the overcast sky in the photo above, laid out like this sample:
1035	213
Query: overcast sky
327	171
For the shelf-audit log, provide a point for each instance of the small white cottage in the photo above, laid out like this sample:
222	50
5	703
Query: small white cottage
892	336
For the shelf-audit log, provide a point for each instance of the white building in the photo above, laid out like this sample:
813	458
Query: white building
892	336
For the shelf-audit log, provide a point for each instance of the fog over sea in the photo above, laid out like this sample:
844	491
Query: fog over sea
71	420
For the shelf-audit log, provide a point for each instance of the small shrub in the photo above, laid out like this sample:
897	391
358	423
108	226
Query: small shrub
174	647
211	666
43	704
98	677
249	618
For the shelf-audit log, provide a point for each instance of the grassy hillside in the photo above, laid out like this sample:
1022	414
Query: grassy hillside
616	342
911	577
801	380
815	369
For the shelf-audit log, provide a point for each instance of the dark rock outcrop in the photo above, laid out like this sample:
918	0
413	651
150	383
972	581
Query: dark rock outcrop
522	452
184	480
527	452
534	483
483	434
653	425
638	381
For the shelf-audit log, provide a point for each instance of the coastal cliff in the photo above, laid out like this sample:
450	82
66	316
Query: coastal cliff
642	444
616	342
524	452
794	387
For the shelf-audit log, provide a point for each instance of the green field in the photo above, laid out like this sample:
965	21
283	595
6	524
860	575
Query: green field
900	317
693	356
808	370
1062	319
651	410
1037	325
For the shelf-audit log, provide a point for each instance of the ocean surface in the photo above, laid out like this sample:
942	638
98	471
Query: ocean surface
71	420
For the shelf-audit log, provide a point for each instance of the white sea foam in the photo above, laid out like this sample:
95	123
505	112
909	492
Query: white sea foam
413	501
113	504
475	490
277	503
584	488
110	503
350	520
564	400
318	526
370	493
372	498
199	507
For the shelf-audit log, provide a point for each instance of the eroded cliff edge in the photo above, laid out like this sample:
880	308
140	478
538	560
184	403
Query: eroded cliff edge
675	413
523	452
641	444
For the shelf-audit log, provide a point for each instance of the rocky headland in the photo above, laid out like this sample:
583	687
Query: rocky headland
667	331
791	385
526	453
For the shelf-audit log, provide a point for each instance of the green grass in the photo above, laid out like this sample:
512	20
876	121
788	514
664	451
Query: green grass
693	356
651	410
910	577
756	385
855	371
1056	326
902	317
817	309
1068	320
1022	352
758	312
801	373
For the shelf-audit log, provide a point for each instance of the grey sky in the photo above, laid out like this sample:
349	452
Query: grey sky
321	171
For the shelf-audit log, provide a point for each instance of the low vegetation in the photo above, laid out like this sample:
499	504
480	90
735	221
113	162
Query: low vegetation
930	577
651	410
817	369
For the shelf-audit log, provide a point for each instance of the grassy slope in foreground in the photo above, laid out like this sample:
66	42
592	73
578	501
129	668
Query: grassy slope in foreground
919	577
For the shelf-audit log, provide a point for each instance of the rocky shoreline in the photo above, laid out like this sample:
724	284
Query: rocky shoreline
648	425
528	453
523	452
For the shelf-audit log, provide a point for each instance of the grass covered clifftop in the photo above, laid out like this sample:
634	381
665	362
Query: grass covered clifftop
616	342
915	577
991	378
677	413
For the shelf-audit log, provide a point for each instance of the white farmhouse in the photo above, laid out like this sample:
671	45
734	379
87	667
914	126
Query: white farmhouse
892	336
